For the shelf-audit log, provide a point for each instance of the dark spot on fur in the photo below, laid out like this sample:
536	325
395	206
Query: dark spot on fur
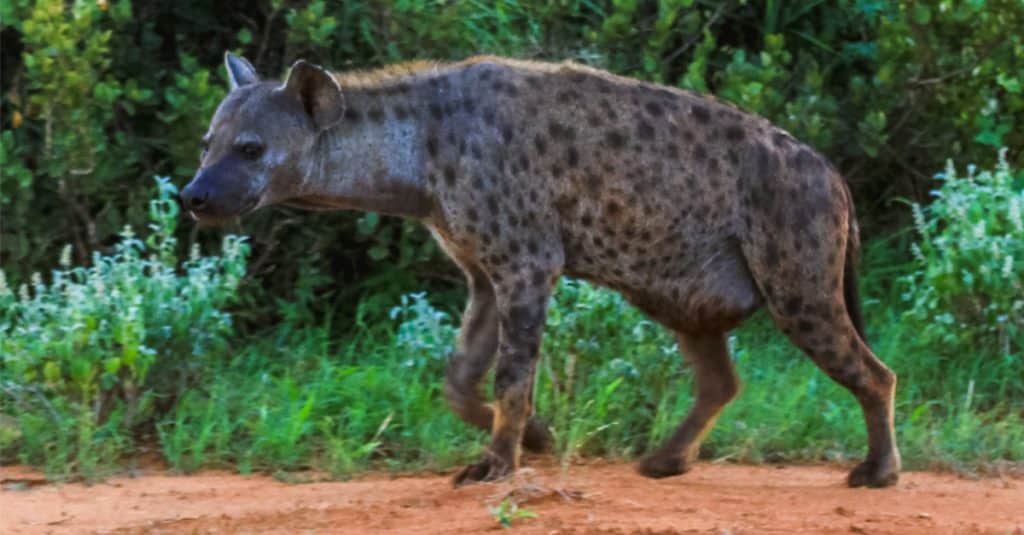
353	115
807	162
567	96
805	326
644	130
699	152
734	133
780	139
449	175
561	132
375	114
701	113
506	133
615	139
436	111
653	108
771	254
540	144
432	145
572	156
793	306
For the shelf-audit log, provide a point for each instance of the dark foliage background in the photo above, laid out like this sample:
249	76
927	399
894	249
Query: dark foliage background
100	96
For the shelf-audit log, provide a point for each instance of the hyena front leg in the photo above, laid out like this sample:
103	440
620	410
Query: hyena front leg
522	299
716	385
477	346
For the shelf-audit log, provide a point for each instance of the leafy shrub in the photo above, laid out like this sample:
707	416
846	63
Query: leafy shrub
97	94
965	296
98	345
969	283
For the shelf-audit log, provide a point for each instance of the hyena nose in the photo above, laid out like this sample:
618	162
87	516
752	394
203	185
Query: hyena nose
193	199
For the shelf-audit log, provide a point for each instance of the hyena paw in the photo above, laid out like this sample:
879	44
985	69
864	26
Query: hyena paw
537	437
875	473
490	469
659	466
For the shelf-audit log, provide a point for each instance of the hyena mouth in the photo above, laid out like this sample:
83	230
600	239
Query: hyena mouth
214	218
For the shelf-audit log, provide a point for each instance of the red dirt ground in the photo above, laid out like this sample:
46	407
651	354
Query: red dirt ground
601	498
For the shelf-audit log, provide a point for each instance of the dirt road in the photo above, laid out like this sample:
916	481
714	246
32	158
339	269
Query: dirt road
595	498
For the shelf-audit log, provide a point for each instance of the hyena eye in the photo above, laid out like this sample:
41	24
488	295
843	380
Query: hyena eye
204	146
249	150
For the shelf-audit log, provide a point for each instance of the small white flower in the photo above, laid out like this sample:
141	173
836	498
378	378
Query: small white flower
5	290
1014	214
65	256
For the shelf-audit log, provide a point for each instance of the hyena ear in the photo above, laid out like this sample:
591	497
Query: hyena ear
240	71
318	91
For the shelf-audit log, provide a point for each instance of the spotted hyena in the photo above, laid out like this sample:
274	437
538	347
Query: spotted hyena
698	213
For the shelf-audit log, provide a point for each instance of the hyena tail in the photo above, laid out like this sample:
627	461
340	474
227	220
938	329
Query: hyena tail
851	294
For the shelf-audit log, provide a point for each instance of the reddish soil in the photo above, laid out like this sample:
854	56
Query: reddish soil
594	498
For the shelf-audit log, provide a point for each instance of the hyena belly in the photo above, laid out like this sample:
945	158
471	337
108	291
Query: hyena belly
682	269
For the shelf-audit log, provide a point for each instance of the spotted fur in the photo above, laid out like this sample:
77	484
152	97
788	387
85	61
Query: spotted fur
695	211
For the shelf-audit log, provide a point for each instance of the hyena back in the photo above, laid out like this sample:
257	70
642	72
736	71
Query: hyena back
696	212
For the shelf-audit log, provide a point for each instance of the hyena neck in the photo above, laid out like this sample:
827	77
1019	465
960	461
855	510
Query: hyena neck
372	160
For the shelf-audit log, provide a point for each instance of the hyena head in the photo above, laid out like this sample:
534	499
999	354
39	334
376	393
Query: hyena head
258	149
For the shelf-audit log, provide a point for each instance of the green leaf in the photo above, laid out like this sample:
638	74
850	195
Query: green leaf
51	371
112	365
922	15
378	252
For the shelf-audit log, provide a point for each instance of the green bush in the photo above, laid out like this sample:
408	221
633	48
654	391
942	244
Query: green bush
965	296
90	353
968	288
98	94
